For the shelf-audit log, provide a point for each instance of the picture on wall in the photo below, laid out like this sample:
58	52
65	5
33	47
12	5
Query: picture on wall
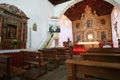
77	25
89	23
34	27
11	31
78	37
103	35
102	21
54	25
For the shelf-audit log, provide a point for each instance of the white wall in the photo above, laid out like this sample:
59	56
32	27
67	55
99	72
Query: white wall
39	12
113	20
66	31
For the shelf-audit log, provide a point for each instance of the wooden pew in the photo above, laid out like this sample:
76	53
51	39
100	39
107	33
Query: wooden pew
102	57
1	77
100	69
51	56
69	53
34	58
61	54
104	50
8	70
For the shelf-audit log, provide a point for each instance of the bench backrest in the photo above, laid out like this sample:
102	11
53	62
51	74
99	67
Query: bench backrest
49	54
103	50
95	68
103	57
5	65
31	56
60	51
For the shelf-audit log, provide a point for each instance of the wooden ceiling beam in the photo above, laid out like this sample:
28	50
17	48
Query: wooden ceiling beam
100	6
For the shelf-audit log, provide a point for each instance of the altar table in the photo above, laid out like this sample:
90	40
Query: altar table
89	44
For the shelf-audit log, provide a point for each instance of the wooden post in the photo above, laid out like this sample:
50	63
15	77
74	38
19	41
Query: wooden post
74	72
119	43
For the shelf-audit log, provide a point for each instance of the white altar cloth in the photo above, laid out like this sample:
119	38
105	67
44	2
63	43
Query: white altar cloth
16	50
88	42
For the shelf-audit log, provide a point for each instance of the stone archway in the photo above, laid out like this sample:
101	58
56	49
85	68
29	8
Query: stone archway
113	2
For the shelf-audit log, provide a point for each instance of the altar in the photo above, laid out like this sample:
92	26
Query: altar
89	44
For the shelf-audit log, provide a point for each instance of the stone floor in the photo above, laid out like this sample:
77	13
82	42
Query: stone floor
59	73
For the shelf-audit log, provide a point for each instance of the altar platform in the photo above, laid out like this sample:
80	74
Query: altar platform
82	47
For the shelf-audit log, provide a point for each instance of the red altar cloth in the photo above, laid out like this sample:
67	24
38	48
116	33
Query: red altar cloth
77	51
16	58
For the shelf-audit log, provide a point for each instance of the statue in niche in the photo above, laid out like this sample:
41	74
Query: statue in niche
95	15
34	27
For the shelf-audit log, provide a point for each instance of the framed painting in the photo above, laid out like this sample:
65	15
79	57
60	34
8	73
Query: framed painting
34	27
77	25
102	21
89	23
78	37
103	35
11	31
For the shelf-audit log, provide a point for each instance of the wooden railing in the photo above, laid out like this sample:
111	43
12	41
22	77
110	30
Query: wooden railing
49	41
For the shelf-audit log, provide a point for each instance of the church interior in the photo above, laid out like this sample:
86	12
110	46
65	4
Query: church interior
59	40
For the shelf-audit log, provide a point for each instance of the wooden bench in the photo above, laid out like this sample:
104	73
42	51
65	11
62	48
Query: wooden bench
100	69
51	56
103	50
1	77
8	70
61	54
69	53
34	58
102	57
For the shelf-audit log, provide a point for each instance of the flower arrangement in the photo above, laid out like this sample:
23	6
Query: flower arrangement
15	42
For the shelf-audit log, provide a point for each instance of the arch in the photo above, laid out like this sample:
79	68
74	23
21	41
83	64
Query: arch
114	3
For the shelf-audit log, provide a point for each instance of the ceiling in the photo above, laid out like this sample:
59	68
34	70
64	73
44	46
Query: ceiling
56	2
100	6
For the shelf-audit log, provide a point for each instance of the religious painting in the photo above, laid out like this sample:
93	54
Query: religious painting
11	31
78	37
103	35
77	25
34	27
89	23
102	21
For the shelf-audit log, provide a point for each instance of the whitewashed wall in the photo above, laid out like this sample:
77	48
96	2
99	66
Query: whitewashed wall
66	31
39	12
